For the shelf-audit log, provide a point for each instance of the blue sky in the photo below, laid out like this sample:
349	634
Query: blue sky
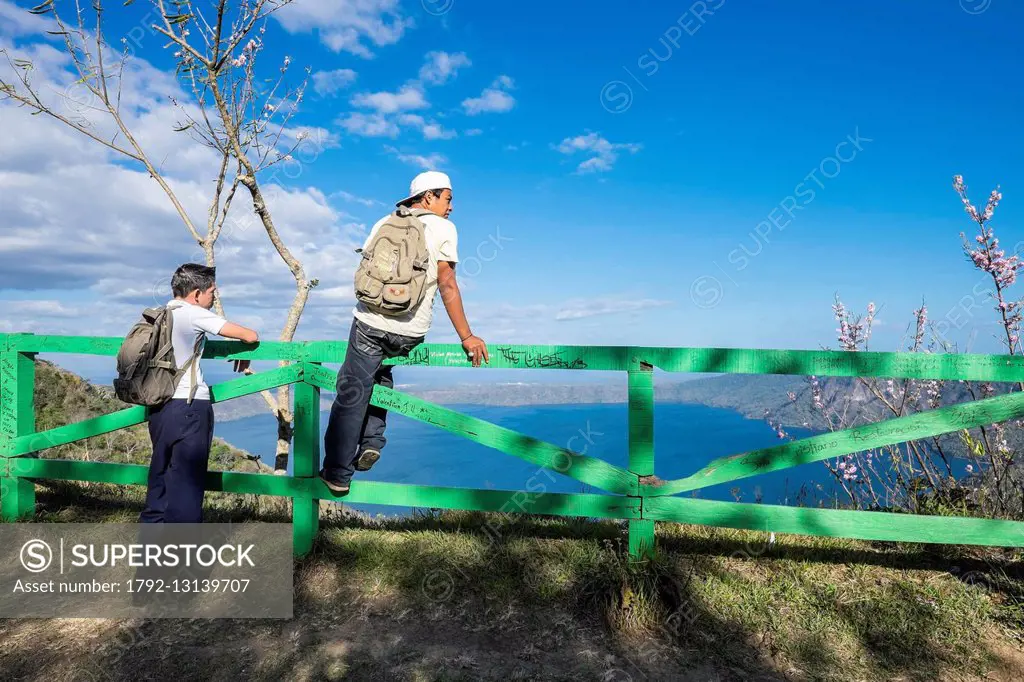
625	152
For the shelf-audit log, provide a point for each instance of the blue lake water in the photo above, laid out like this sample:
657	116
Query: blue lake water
687	437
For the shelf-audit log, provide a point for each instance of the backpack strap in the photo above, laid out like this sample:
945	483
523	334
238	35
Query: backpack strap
190	366
401	212
405	211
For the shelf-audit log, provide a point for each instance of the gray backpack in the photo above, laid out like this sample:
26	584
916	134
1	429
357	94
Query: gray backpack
392	275
147	373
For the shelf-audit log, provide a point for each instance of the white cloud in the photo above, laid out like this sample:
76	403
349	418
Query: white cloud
352	198
392	110
603	154
473	132
17	21
81	223
429	162
408	97
534	316
440	67
369	125
391	114
309	141
42	307
493	99
346	25
430	129
330	82
575	310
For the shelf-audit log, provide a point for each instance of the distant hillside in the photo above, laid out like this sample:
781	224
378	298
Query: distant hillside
748	394
65	398
731	392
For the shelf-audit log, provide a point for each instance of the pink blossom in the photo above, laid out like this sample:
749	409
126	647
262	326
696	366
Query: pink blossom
961	189
921	315
816	394
852	333
989	257
934	393
969	468
993	201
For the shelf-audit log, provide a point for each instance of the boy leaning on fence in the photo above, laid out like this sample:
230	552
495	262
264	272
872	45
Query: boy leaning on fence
159	367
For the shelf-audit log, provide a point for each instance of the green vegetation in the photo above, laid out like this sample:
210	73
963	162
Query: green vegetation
63	398
470	596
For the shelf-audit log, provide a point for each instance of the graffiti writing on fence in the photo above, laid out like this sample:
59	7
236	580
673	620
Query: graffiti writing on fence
531	358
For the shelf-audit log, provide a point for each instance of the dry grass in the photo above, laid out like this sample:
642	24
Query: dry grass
438	597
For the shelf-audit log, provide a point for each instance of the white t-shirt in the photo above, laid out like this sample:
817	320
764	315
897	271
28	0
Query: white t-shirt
442	244
192	322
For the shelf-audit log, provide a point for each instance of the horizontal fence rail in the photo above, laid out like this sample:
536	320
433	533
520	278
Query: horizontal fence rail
629	493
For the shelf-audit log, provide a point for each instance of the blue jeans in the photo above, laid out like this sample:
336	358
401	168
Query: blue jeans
354	424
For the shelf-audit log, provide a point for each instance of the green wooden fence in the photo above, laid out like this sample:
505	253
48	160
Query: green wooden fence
632	496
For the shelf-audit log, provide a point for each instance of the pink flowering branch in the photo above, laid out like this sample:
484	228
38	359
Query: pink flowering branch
988	257
910	472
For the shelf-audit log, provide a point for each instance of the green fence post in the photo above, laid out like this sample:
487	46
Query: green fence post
305	508
641	452
17	418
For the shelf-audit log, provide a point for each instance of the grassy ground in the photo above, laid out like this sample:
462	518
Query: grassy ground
448	597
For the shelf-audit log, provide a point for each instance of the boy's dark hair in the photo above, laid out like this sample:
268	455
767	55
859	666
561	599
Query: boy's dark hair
419	197
192	276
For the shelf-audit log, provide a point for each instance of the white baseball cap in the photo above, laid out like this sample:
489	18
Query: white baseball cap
425	181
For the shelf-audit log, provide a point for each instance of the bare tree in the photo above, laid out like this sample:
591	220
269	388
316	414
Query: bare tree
230	110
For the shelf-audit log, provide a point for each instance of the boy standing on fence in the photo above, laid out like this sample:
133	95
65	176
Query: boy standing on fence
182	428
392	316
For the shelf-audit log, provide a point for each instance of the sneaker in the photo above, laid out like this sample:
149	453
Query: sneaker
334	484
367	460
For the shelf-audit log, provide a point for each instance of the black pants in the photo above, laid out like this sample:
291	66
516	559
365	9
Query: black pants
354	424
182	436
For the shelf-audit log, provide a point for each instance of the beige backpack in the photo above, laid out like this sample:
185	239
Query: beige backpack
392	275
